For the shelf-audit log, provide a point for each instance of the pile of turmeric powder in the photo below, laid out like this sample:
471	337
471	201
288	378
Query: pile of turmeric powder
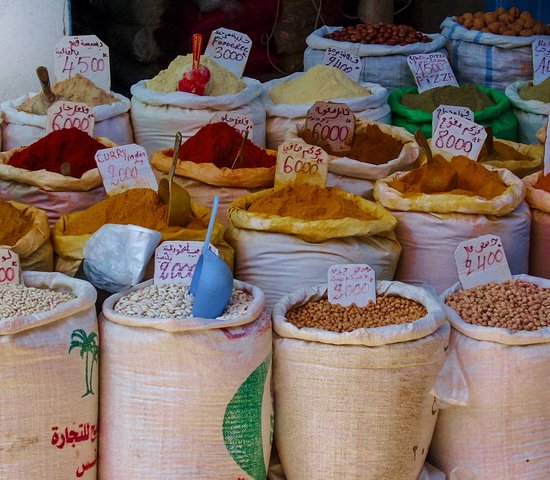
307	202
501	152
14	224
543	183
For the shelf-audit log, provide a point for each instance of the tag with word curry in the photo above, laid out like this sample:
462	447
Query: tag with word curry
459	136
298	162
64	114
349	284
9	266
332	125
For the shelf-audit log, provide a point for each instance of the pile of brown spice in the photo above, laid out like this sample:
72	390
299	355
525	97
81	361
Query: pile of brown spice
14	224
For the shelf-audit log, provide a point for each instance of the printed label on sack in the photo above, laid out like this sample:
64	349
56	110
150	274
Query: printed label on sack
459	136
69	437
346	62
238	121
86	55
332	125
353	283
64	114
230	49
125	167
481	260
9	266
175	261
298	162
546	170
462	112
431	70
541	59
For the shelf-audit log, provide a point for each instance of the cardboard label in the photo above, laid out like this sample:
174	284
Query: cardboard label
85	54
541	59
546	169
175	261
346	62
332	125
298	162
481	260
462	112
354	283
230	49
64	114
458	136
125	167
9	266
431	70
240	122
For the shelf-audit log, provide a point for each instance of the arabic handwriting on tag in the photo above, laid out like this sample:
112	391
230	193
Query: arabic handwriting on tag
9	266
431	70
351	284
298	162
346	62
332	125
459	136
63	114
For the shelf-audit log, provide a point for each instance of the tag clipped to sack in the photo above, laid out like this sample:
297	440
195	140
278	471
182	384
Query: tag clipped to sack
9	267
331	125
238	121
230	49
462	112
63	114
541	59
298	162
346	62
353	283
431	70
459	136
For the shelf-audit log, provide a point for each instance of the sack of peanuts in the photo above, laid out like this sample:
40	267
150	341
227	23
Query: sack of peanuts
201	385
49	353
330	362
501	336
286	239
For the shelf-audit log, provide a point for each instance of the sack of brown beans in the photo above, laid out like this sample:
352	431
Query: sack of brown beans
501	337
181	396
354	386
49	353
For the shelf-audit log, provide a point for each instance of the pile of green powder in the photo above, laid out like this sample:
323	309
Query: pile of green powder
467	95
540	92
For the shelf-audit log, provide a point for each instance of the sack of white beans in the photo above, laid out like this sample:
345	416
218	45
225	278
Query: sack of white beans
48	378
501	338
184	397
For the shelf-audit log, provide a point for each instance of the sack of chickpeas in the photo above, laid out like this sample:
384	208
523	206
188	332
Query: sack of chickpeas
354	386
191	397
48	375
501	337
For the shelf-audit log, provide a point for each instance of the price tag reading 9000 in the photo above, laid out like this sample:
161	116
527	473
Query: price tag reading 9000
346	62
431	70
298	162
70	115
459	136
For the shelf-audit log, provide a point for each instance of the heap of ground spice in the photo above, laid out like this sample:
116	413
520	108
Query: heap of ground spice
543	183
14	224
540	92
501	152
308	202
467	95
219	143
66	145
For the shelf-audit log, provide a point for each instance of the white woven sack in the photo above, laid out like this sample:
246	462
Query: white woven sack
357	405
539	201
283	116
503	432
185	398
157	116
487	58
22	128
382	64
49	393
358	186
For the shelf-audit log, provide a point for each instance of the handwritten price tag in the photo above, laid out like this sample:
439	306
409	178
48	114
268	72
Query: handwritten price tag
230	49
462	112
70	115
459	136
332	125
9	266
175	261
85	54
481	260
541	59
240	122
351	284
346	62
125	167
431	70
298	162
546	169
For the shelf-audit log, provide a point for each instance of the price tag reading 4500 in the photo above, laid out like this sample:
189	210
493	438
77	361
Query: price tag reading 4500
351	284
459	136
70	115
298	162
331	125
431	70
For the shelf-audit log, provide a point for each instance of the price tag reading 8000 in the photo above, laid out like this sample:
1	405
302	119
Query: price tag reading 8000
70	115
431	70
331	125
9	266
459	136
351	284
298	162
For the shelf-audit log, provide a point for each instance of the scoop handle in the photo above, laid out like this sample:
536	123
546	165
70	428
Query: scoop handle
423	143
177	145
196	48
44	77
211	224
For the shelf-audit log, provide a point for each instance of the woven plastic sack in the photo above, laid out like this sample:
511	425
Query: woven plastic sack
539	201
191	397
49	395
382	64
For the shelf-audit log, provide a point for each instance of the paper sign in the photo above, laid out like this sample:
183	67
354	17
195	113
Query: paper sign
541	59
462	112
9	266
546	169
431	70
64	114
230	49
125	167
351	284
459	136
332	125
298	162
240	122
481	260
346	62
175	261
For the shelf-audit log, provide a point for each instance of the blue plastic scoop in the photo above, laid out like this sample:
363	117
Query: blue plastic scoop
212	282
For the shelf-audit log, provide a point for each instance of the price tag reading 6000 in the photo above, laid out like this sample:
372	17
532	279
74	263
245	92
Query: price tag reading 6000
332	125
70	115
298	162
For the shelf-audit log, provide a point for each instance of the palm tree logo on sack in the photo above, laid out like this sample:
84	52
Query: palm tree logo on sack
88	349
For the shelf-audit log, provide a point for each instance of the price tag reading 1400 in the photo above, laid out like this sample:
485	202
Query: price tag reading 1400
70	115
298	162
459	136
332	125
351	284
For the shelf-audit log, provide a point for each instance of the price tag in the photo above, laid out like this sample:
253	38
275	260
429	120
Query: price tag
230	49
332	125
9	266
481	260
541	59
175	261
125	167
546	169
346	62
351	284
459	136
431	70
298	162
70	115
462	112
240	122
85	54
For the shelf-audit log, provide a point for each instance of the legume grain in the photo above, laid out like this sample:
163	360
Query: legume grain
19	300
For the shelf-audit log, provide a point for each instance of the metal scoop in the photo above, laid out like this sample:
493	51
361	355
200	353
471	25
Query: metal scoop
238	157
44	77
423	144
